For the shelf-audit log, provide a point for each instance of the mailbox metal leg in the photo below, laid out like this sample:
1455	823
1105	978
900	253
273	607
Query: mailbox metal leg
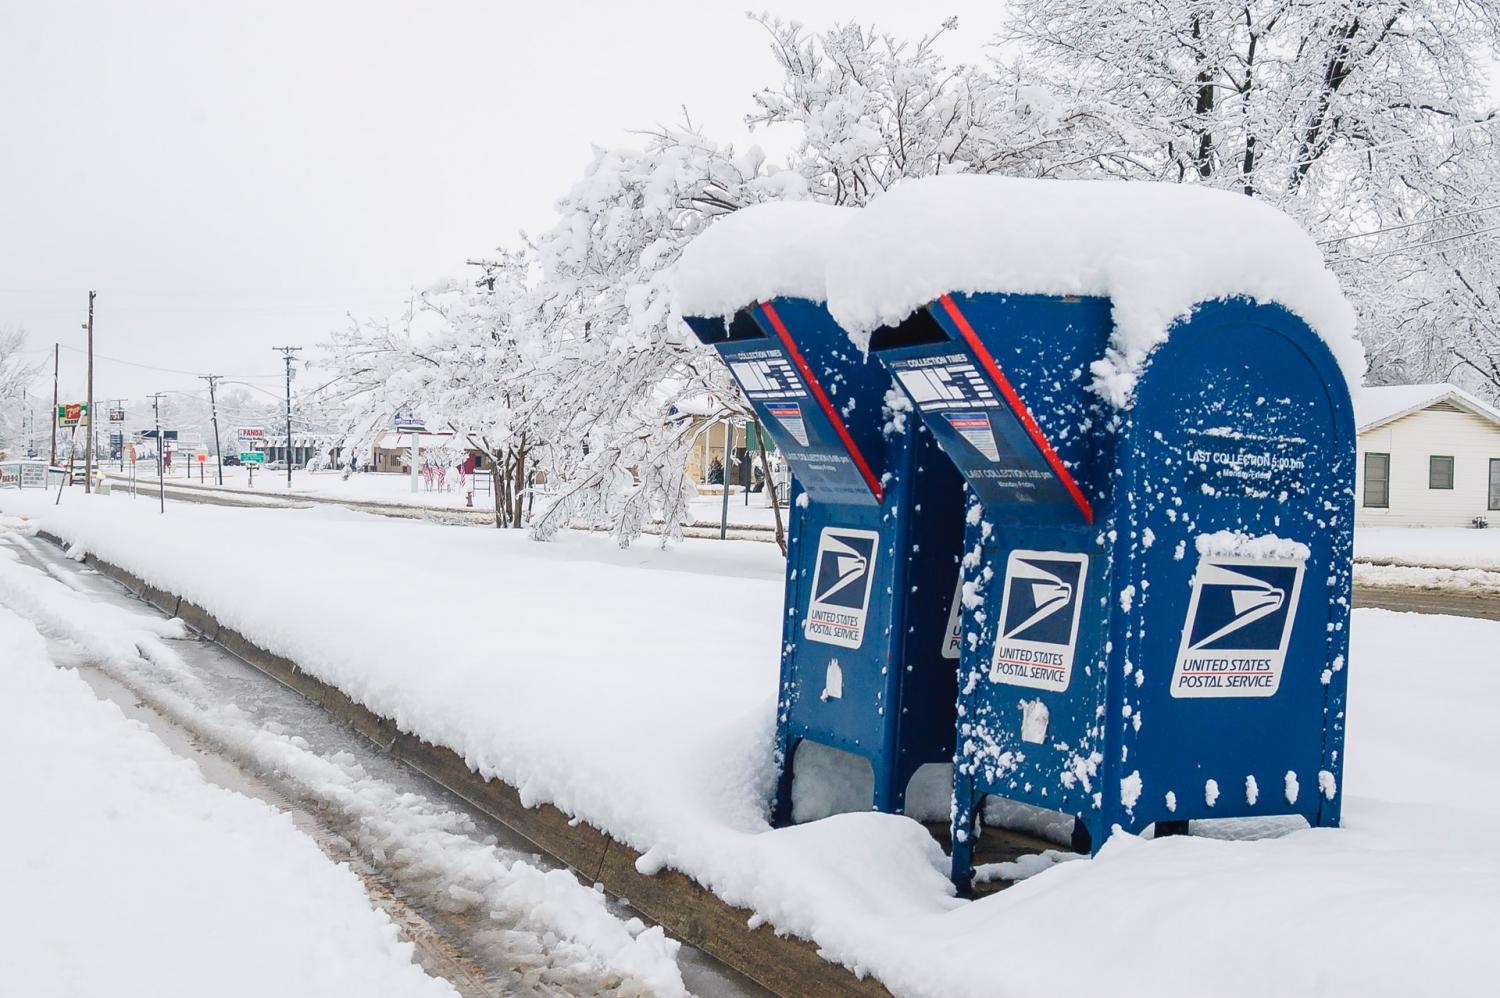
781	804
961	834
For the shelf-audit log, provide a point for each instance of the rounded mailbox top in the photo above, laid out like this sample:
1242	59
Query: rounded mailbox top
778	249
1154	250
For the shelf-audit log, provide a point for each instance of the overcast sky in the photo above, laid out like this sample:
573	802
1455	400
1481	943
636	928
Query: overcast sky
231	177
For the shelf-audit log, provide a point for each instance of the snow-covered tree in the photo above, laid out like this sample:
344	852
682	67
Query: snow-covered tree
870	110
873	110
625	360
16	375
473	357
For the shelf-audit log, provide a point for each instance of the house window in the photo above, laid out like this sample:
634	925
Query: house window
1440	472
1378	481
1495	483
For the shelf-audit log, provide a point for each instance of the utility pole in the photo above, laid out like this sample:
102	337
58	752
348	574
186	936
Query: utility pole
52	461
213	406
288	353
88	441
161	475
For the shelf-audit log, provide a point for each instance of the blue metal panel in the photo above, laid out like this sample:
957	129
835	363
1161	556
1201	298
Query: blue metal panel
1242	423
873	549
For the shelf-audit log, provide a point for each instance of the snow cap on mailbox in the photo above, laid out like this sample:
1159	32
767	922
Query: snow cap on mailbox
1154	250
778	249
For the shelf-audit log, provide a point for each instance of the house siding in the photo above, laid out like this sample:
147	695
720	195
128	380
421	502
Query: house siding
1472	441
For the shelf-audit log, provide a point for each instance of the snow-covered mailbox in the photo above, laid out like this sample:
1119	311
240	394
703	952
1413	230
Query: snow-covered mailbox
868	661
1145	388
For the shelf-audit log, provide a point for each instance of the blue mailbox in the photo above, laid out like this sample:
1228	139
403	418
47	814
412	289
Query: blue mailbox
1159	595
869	652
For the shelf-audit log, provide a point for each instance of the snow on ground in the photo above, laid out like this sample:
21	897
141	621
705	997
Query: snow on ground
124	868
1432	547
1470	580
578	942
635	689
394	488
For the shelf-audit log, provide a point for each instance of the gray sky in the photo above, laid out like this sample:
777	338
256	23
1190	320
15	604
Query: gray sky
233	177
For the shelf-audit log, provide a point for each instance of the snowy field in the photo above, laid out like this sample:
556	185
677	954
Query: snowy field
122	866
635	689
1433	547
395	488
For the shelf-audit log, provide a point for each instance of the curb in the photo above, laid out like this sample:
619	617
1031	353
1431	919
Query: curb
688	911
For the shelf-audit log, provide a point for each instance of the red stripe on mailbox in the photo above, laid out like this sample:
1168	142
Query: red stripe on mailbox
1018	407
823	400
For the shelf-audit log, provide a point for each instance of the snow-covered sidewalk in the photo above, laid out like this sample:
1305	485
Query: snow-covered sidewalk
125	872
635	689
547	931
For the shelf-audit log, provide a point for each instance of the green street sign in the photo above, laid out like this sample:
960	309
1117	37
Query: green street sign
252	457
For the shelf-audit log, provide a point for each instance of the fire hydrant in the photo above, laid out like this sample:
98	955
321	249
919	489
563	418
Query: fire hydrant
468	498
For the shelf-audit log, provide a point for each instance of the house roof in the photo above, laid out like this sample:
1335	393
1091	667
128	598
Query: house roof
1374	406
391	440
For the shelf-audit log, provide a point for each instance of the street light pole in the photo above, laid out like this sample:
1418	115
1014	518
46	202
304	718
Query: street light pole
288	353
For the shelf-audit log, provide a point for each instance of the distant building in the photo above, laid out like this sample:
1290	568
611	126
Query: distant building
1429	456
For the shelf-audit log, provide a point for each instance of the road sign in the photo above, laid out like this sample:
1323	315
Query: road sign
252	457
72	413
405	419
202	456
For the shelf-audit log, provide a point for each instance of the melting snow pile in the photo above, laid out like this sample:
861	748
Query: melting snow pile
1156	250
772	250
126	872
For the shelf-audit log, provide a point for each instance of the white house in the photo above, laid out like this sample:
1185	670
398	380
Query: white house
1429	456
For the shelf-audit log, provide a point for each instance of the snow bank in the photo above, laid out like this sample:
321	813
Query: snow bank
776	249
1476	581
124	869
636	690
1430	547
1156	250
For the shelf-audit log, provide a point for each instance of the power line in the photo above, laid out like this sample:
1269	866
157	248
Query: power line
168	370
1407	225
1413	246
1488	119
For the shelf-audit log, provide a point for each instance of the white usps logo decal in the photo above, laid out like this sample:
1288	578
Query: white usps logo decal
842	578
1039	619
1239	622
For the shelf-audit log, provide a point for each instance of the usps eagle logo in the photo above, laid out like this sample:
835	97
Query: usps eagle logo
1239	623
843	574
1039	619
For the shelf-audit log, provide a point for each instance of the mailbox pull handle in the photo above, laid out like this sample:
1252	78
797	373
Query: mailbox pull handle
1028	423
823	401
